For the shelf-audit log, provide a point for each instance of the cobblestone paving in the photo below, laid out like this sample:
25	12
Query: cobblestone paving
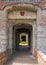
22	59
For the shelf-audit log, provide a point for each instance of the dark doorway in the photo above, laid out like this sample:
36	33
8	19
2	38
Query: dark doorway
26	42
23	38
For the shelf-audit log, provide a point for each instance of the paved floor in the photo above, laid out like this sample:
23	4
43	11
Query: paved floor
22	59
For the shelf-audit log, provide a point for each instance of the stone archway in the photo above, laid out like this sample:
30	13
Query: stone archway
27	25
10	16
13	17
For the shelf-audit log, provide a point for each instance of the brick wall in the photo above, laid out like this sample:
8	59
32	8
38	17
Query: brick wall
41	58
4	57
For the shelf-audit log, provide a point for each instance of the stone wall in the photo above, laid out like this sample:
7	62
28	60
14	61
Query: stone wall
4	51
3	31
41	58
41	30
4	57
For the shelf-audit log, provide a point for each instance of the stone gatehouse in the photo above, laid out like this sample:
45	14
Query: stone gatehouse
24	20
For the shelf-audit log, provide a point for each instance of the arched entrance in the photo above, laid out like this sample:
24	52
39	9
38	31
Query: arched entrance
22	37
18	27
21	25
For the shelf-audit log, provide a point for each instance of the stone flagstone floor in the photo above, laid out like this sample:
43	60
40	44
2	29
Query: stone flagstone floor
21	58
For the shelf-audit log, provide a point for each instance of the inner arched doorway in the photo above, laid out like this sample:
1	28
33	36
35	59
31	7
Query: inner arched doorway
22	37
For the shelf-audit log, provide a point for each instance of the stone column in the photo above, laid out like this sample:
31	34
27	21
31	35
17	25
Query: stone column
34	37
10	37
3	31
